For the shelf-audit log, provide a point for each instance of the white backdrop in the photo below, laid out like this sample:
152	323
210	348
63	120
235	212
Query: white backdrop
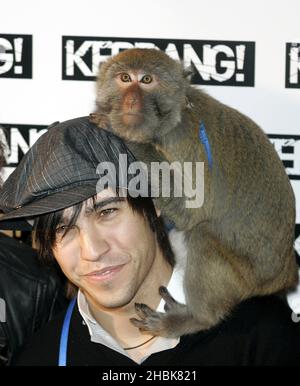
272	28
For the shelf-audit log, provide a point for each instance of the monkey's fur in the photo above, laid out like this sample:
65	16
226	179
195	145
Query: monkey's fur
240	242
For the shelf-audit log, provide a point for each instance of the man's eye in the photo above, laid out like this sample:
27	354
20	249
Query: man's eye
107	212
61	229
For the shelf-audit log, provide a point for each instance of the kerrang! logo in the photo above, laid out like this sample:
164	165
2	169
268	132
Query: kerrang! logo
214	62
292	74
15	56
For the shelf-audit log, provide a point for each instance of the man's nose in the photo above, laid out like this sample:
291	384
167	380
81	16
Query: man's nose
92	245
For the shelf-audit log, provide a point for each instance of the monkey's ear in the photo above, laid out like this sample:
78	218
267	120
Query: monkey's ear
158	211
188	72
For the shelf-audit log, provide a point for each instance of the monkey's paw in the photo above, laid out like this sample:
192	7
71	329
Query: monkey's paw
160	323
101	120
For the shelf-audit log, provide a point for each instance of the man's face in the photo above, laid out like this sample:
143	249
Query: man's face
109	252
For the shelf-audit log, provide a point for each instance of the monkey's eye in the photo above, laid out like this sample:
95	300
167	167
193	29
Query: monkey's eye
125	77
147	79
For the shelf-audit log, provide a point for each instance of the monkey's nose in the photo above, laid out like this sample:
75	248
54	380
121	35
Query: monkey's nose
133	102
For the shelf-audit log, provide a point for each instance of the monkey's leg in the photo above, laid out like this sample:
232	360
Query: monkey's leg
215	281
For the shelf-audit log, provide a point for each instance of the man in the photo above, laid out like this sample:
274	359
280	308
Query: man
112	247
30	293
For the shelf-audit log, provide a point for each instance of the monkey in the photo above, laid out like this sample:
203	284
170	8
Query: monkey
240	241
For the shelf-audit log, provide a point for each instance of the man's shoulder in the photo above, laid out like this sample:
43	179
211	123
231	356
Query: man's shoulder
271	311
43	347
259	331
20	259
263	327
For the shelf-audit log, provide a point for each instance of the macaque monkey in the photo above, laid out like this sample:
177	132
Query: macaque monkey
240	241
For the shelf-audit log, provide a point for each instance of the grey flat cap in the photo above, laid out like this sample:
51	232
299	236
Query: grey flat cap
60	169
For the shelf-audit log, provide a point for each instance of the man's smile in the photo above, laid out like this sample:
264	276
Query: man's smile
105	273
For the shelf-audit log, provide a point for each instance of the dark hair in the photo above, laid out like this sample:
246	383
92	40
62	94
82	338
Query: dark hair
45	228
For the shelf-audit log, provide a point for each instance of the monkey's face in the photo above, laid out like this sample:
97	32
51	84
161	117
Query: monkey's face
143	93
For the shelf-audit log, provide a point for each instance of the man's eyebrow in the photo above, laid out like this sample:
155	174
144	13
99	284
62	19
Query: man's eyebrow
100	204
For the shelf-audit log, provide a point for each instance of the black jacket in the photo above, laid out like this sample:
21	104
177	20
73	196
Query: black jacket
32	294
259	332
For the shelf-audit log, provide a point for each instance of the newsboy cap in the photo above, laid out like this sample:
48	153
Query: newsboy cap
59	170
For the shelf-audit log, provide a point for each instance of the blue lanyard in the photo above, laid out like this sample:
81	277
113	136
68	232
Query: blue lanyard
63	345
204	140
